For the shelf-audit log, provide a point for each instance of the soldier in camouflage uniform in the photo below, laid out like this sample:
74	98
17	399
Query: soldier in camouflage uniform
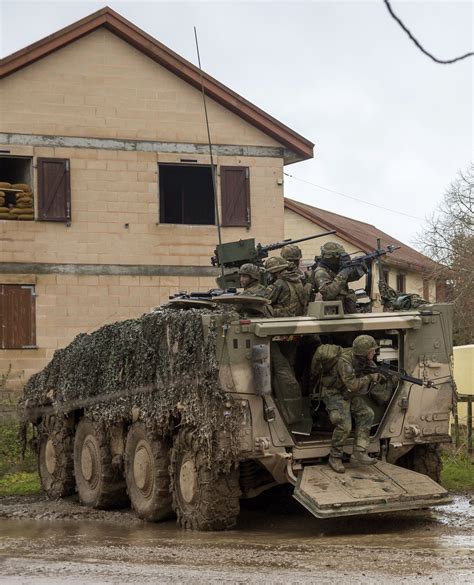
250	280
342	393
292	254
332	282
286	293
287	299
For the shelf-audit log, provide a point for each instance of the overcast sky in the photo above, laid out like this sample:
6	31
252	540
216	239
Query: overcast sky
390	126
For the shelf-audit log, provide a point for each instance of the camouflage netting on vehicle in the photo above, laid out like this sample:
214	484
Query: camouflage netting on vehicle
161	365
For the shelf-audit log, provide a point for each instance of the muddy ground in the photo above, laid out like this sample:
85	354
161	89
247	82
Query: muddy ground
276	541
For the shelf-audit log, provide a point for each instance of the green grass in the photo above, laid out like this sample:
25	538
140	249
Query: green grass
458	472
20	483
18	475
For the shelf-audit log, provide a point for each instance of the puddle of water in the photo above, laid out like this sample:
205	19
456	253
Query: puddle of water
285	529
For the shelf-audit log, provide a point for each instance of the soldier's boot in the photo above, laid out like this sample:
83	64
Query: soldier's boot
335	463
361	458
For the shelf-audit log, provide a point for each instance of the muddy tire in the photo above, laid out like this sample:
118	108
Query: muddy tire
56	459
425	459
147	474
202	500
100	483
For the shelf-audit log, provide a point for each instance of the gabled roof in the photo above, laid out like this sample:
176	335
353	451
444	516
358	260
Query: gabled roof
155	50
364	236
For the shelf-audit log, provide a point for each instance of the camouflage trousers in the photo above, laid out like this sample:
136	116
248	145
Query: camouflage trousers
341	410
285	385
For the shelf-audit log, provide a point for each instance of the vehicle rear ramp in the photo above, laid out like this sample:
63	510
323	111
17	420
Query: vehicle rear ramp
382	487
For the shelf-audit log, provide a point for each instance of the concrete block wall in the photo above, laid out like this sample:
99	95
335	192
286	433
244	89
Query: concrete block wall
67	305
100	86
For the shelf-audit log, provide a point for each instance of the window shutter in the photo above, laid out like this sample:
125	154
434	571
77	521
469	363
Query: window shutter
54	190
235	196
17	316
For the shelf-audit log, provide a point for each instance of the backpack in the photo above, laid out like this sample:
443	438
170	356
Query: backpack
322	365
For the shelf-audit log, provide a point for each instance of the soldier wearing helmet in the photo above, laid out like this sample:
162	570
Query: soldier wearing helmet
250	280
343	393
287	299
285	293
331	281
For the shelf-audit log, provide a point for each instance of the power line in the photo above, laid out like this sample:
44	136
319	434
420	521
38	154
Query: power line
435	59
355	198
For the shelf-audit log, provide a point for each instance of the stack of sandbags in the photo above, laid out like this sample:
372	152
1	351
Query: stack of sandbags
24	208
4	211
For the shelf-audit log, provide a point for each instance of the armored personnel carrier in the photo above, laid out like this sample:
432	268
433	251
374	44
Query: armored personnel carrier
176	413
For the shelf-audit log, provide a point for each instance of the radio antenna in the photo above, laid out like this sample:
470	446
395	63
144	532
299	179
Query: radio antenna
213	171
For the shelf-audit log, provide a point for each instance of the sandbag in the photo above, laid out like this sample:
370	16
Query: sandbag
4	209
20	211
24	205
29	216
22	186
6	216
5	184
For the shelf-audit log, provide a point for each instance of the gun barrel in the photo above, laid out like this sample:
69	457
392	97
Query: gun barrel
283	243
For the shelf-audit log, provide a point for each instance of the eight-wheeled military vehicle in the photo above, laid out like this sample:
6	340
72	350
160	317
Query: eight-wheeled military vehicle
177	413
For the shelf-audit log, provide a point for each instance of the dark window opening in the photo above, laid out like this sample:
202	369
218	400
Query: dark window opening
17	315
386	276
186	195
16	188
401	283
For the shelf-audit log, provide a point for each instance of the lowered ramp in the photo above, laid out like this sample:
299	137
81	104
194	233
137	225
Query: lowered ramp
365	490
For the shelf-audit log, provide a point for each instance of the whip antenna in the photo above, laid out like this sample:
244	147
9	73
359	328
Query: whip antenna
213	172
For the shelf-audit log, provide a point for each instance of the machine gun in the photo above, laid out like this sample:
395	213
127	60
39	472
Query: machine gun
386	370
235	254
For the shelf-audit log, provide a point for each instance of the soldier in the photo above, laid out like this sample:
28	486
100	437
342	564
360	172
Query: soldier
342	393
287	299
330	281
250	280
292	254
286	293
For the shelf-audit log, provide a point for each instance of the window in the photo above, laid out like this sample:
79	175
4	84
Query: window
186	194
17	316
401	283
16	188
235	196
54	190
386	273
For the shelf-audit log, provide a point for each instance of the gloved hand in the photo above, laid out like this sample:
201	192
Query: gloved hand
376	377
345	273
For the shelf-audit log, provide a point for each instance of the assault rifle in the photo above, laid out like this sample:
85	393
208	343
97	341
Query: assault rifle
365	261
386	370
235	254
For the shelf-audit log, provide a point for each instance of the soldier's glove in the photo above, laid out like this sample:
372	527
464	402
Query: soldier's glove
345	273
351	273
376	377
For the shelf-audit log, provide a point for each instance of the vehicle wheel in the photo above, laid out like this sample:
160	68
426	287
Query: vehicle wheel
424	459
147	474
202	500
56	459
100	484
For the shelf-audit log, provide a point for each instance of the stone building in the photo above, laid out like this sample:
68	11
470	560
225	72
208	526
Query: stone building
108	201
406	270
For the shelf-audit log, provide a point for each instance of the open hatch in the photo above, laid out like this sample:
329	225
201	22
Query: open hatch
365	489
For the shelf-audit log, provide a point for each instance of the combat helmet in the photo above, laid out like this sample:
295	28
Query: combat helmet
332	250
291	253
250	270
363	344
275	264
